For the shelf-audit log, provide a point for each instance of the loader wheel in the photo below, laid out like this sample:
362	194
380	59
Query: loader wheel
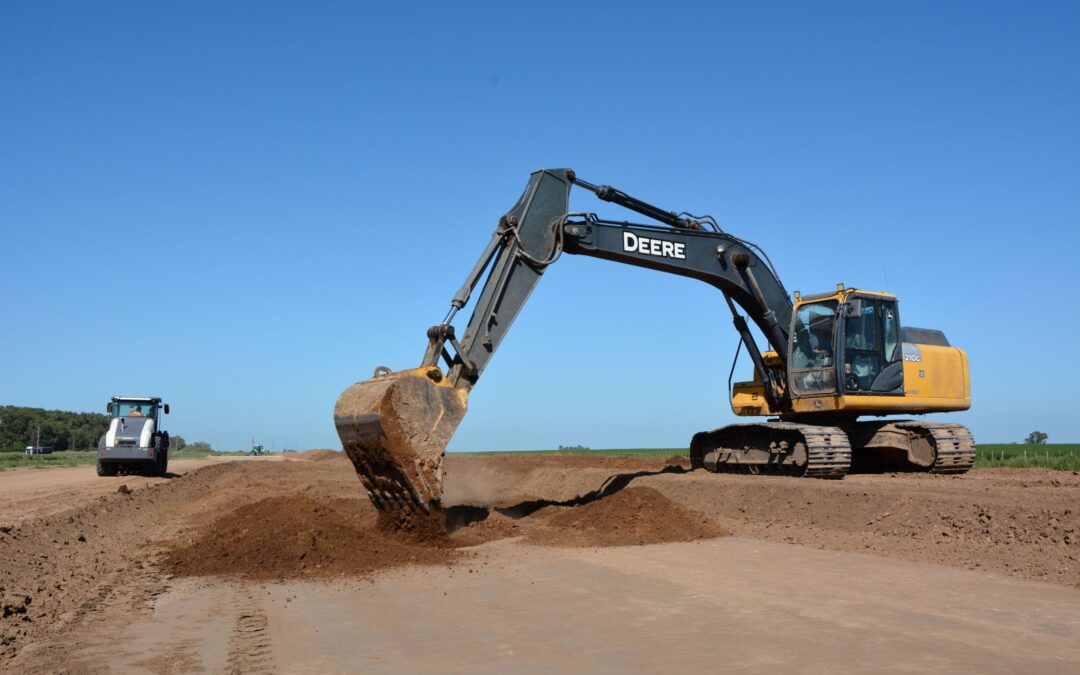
106	468
161	456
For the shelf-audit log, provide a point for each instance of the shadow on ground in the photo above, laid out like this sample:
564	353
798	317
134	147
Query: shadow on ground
466	514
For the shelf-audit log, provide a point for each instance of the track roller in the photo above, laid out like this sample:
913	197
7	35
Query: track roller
784	448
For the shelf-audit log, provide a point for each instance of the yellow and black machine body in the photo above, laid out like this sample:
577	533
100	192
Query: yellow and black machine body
849	357
836	363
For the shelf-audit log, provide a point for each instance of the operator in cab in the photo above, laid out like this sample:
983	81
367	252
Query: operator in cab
820	338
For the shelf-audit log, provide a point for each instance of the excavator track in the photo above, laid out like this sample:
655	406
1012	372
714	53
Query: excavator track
954	446
828	451
777	448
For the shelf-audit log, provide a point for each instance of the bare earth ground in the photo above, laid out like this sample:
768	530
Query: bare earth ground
280	564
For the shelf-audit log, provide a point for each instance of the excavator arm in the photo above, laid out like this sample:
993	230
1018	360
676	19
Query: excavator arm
395	426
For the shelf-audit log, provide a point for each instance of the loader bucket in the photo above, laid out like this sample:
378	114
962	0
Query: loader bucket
394	428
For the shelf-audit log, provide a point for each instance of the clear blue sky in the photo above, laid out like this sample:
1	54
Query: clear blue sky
246	207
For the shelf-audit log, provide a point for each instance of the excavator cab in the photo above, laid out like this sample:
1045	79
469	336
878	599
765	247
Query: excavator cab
846	343
850	355
871	340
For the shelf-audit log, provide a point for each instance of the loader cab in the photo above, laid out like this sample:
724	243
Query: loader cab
149	407
846	342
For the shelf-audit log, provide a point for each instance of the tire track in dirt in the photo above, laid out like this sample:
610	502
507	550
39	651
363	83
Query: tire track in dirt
250	649
95	560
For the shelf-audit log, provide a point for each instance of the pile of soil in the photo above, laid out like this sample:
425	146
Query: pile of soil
415	527
630	517
293	536
58	566
509	479
321	455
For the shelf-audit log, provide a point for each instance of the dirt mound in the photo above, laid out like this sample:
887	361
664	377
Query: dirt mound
504	480
58	564
321	455
291	536
414	526
633	516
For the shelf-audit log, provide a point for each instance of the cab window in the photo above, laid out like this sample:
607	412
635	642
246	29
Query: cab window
871	344
861	326
814	336
813	349
891	331
135	410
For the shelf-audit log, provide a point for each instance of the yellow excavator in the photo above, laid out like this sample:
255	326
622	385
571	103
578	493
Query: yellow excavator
833	358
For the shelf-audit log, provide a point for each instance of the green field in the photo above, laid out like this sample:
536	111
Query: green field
1059	456
14	460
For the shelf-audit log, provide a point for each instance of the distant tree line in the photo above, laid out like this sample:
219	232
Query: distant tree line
60	429
194	448
63	430
1036	438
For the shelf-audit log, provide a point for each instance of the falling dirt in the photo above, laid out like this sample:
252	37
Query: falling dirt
414	527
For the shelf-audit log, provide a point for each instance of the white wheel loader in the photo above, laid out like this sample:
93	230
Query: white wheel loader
134	442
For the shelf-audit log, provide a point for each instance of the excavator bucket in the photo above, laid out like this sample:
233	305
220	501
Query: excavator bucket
395	427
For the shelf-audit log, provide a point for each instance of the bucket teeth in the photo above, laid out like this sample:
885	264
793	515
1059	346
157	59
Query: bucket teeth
394	428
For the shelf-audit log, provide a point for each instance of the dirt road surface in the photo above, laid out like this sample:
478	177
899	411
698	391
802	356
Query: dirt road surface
26	493
568	563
